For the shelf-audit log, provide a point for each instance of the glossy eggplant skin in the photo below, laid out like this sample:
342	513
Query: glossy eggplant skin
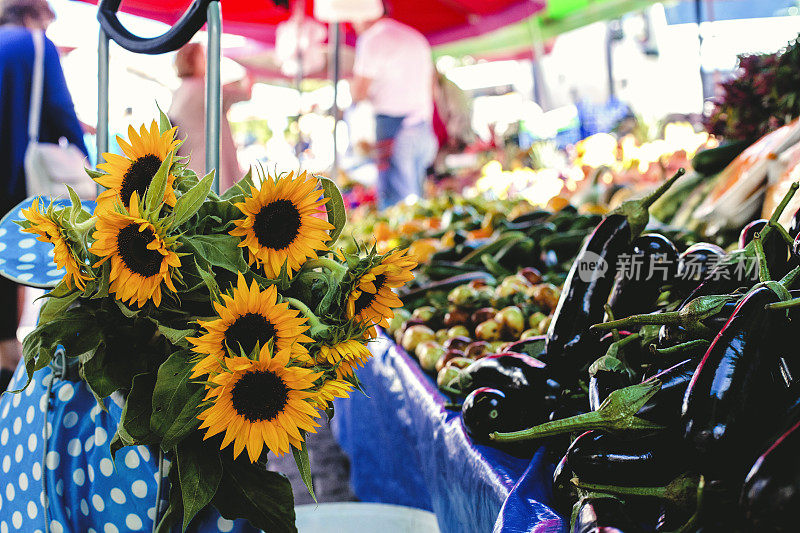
733	401
771	493
664	408
584	296
603	458
657	259
603	515
603	383
509	372
486	410
695	264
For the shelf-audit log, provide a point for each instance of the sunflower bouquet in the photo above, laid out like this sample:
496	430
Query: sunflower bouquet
229	322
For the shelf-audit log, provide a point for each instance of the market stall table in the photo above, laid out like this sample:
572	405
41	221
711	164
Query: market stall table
406	448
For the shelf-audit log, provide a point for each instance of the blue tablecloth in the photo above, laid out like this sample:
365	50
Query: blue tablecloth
406	448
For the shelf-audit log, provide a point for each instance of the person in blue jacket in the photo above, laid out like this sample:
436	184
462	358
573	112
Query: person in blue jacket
17	19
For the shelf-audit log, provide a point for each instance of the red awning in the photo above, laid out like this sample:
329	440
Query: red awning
440	21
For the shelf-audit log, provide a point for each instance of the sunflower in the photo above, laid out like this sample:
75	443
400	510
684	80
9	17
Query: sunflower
348	355
140	256
334	388
249	317
281	223
49	230
372	299
134	171
263	402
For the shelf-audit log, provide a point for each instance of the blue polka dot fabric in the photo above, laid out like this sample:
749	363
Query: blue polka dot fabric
25	259
73	485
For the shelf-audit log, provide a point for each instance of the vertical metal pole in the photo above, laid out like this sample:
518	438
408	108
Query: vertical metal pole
612	92
102	95
213	90
334	41
698	15
540	95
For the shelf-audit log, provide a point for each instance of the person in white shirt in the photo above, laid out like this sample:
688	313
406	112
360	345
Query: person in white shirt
393	70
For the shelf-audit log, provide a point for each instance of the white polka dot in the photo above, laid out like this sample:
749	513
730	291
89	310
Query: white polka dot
43	403
100	436
26	266
31	387
4	437
91	530
17	424
55	273
52	460
23	481
37	471
27	258
6	464
29	414
110	528
139	488
132	459
224	524
15	399
98	503
51	253
25	276
56	527
79	477
94	412
74	447
18	453
88	444
32	510
27	243
32	442
66	392
70	419
151	513
90	471
45	503
2	246
3	231
5	410
48	430
16	519
60	487
144	452
3	527
106	466
117	496
133	522
84	507
10	492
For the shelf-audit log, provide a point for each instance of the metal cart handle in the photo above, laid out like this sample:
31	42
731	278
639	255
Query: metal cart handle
178	35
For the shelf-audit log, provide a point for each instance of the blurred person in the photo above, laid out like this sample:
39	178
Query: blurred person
393	70
188	113
18	20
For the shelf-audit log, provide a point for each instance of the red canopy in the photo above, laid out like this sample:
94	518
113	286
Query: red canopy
440	21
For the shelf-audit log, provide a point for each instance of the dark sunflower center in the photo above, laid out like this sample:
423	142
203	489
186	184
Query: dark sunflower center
277	224
259	395
139	176
248	330
132	246
366	298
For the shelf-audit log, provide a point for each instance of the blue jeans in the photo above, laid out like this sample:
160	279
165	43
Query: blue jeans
404	155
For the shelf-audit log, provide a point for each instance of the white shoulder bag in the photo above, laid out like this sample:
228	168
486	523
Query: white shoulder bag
49	167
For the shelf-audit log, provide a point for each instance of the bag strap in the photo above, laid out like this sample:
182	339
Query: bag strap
37	86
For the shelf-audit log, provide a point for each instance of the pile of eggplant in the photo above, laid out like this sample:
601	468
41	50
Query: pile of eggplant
673	401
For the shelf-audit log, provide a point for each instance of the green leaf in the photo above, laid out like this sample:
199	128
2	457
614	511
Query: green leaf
94	173
176	399
200	472
105	281
248	490
188	204
240	189
55	307
218	250
154	195
304	467
127	311
175	336
134	425
337	214
164	124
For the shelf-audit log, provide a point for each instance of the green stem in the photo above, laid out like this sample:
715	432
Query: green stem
658	193
787	304
772	223
761	257
783	233
681	348
326	262
652	492
316	324
649	319
582	422
789	279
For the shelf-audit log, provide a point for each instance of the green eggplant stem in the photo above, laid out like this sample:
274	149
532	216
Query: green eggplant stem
773	220
649	319
316	324
680	348
650	199
652	492
789	279
761	257
787	304
582	422
783	233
